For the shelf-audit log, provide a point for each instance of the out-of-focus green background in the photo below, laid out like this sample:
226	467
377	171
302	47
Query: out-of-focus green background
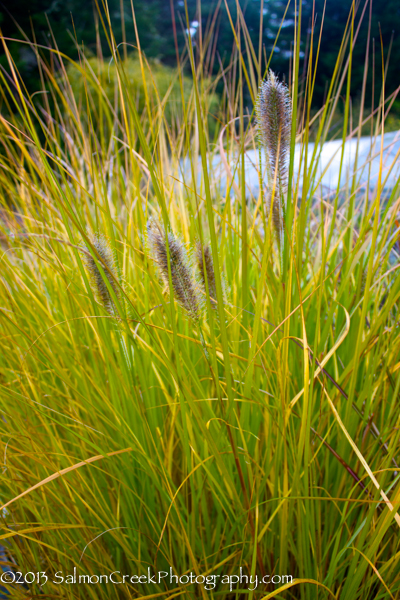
74	22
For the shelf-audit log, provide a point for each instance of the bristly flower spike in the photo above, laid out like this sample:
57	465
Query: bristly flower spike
208	267
96	279
274	117
183	283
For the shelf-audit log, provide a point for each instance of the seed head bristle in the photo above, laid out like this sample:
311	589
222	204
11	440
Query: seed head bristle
107	260
183	283
209	269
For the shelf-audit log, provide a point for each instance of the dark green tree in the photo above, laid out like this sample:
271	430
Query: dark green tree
73	21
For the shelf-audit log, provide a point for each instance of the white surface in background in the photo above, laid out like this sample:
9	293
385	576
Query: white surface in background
327	164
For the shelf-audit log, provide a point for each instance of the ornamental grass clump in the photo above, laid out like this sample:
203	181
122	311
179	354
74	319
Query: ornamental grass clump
183	283
274	423
274	117
106	257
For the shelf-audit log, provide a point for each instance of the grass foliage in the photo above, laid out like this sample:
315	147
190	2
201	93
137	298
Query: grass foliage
258	430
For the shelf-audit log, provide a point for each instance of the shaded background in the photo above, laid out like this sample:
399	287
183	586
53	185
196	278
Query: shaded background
74	21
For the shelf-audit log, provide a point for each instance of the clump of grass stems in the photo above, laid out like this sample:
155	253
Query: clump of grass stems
269	440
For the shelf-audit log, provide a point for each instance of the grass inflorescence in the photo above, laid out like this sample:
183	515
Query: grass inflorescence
171	258
205	268
99	280
274	120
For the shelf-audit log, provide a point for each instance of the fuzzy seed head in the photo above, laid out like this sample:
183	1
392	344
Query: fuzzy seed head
183	283
208	266
106	257
274	117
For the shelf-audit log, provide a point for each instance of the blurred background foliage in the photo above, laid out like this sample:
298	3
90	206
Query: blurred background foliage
73	24
162	87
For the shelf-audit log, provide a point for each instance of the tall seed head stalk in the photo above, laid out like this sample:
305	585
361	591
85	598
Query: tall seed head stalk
96	279
183	283
274	116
